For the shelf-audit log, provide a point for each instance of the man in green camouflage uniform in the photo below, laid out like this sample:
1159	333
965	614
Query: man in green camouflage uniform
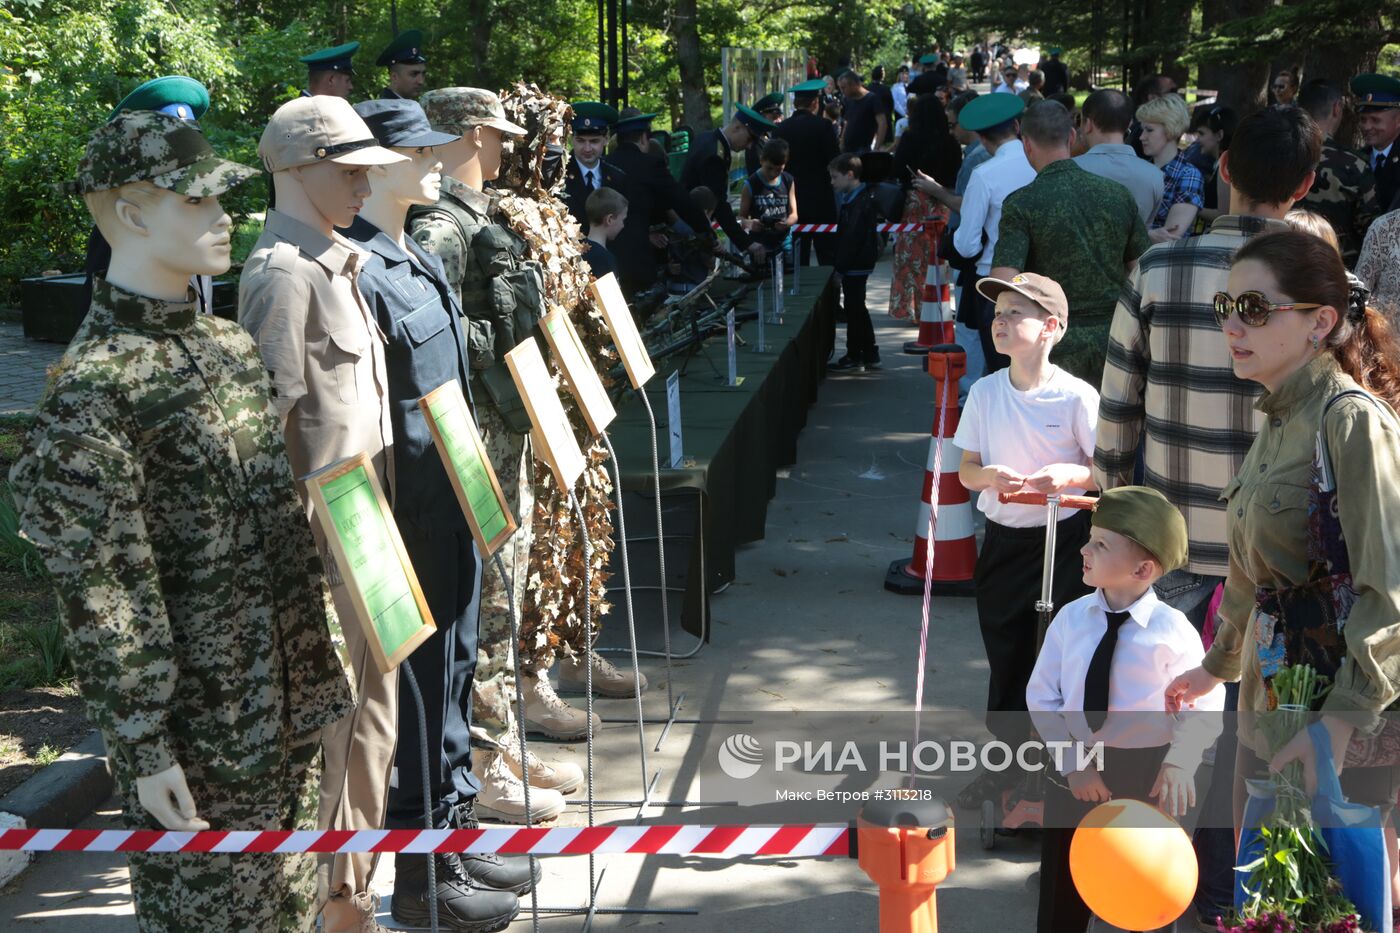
501	300
1344	189
156	486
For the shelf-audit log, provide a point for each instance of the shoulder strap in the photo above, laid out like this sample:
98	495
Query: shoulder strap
1326	478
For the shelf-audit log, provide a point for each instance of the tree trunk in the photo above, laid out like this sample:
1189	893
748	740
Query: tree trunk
480	16
1210	73
1242	85
1173	28
695	98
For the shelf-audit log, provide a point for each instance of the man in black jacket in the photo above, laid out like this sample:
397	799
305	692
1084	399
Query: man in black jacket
1056	75
857	249
650	192
813	146
588	171
707	166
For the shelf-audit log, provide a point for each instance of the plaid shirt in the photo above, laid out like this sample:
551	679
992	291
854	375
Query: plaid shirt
1181	184
1169	370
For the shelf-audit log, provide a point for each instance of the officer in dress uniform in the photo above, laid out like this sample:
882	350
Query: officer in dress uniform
185	99
588	171
408	67
1378	104
329	71
770	107
708	165
813	145
651	191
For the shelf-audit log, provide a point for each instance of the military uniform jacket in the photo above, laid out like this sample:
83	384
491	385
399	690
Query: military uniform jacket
813	145
576	192
708	165
1387	172
156	486
390	94
651	191
1344	192
420	317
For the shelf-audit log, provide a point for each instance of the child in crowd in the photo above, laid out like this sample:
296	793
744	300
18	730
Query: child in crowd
857	249
768	203
1109	653
607	212
1300	218
1027	428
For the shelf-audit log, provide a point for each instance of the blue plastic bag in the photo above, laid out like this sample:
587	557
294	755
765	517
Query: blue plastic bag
1355	841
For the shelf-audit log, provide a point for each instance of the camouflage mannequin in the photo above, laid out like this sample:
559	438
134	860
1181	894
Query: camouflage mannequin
157	487
533	177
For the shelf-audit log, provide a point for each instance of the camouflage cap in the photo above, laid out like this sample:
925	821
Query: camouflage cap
143	145
457	109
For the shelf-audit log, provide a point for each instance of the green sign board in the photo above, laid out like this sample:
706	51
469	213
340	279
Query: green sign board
464	456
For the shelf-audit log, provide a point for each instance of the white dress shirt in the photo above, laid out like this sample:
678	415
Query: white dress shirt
1155	644
595	173
991	182
900	93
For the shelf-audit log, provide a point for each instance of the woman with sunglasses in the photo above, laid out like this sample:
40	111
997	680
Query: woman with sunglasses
1298	325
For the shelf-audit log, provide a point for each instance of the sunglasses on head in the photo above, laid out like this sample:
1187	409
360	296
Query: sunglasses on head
1252	307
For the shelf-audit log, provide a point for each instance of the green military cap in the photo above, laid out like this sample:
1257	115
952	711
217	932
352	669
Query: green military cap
142	145
1056	50
1145	516
753	120
631	119
406	49
336	58
768	102
814	86
176	95
990	110
929	59
1376	92
592	117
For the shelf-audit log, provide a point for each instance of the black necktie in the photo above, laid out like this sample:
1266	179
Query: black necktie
1096	680
588	181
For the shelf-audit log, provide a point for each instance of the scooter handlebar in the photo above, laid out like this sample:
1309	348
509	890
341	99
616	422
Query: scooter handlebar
1038	498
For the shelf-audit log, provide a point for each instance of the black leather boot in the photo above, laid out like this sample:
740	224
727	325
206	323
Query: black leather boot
490	870
462	905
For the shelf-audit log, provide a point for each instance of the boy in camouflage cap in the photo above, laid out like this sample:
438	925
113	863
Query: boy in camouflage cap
156	486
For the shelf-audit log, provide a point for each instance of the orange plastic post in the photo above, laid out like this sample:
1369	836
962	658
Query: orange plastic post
907	863
947	361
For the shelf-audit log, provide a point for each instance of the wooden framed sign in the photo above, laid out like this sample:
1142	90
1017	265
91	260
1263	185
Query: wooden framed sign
464	456
618	316
553	435
584	384
355	517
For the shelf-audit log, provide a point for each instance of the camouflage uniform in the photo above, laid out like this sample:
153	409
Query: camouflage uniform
499	295
156	485
1344	192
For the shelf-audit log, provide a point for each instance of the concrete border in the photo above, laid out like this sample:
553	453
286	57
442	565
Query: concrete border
61	795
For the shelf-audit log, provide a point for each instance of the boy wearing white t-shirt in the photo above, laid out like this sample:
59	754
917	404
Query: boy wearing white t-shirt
1026	428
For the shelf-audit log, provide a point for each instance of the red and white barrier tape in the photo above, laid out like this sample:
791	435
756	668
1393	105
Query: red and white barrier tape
725	841
880	228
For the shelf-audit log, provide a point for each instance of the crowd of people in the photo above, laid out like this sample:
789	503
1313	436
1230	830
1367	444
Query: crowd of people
1163	312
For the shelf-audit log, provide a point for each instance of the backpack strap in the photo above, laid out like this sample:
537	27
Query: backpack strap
1326	478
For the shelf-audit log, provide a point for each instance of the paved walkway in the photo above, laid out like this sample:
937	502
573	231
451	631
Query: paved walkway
23	367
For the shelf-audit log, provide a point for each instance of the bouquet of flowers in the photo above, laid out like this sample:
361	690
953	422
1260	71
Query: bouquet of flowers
1292	887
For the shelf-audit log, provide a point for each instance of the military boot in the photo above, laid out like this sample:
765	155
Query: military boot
517	874
502	794
463	906
562	776
608	679
547	714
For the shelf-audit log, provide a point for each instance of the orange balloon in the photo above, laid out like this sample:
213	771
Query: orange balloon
1133	865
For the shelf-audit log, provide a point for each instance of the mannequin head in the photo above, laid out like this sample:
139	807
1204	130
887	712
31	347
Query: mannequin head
417	181
187	235
401	126
152	185
319	150
476	115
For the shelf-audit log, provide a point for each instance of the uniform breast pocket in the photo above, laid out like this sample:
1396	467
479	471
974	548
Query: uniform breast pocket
179	435
425	322
347	345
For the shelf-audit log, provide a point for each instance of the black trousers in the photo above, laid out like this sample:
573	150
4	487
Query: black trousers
1007	582
823	243
1128	772
860	331
982	312
449	572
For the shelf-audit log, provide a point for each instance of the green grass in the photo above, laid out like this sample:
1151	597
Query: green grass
46	755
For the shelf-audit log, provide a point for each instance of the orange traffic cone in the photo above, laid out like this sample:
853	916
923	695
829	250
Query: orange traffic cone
955	547
906	847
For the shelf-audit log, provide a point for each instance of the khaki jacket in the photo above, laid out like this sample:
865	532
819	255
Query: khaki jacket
1267	517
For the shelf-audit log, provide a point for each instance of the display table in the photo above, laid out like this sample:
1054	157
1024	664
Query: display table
735	440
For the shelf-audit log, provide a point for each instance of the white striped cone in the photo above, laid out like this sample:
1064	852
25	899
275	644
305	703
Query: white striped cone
955	547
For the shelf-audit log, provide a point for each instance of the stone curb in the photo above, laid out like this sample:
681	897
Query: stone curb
61	795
